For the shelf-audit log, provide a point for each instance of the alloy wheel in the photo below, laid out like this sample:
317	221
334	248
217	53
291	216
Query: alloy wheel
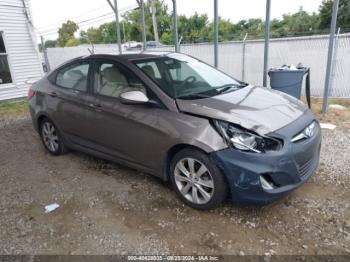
50	136
194	181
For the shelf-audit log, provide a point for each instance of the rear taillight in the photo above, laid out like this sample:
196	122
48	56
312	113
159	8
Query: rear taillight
31	93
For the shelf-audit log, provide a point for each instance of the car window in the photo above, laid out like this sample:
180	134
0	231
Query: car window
74	76
151	69
183	72
113	80
185	77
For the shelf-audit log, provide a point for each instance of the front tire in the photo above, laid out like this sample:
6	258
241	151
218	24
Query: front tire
51	138
197	180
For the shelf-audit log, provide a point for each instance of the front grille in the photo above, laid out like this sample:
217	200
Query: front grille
304	168
307	166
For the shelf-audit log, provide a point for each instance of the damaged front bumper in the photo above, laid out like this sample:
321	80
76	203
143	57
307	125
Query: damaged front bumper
284	170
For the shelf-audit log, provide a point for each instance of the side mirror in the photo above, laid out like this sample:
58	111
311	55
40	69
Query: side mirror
134	97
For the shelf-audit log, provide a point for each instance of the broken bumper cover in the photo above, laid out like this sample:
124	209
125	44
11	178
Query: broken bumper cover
286	169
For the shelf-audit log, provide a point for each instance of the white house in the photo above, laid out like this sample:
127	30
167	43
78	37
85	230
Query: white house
20	61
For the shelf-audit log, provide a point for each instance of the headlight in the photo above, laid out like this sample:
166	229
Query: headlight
245	140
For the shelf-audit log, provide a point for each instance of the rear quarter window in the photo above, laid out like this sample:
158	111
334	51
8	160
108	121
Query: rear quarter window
73	76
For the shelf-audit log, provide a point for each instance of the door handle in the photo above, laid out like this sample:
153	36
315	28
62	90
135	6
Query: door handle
97	107
53	94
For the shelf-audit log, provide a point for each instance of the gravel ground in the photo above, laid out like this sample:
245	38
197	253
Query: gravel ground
111	209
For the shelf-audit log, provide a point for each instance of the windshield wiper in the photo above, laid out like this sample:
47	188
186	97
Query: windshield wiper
193	96
219	90
229	87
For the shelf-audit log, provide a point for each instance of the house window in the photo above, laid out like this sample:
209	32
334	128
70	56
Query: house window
5	74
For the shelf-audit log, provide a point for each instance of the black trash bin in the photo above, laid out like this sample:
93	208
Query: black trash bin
289	80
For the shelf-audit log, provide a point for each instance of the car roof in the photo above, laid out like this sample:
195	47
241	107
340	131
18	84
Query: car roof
131	55
126	56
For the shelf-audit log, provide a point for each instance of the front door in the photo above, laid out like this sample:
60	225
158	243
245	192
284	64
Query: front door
128	132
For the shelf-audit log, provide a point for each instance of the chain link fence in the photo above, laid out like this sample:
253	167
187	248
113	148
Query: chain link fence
246	63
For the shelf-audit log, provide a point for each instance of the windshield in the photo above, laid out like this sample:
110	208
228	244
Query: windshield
181	76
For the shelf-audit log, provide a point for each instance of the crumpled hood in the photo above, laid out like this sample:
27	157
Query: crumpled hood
255	108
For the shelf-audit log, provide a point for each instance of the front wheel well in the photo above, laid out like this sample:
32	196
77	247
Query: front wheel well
171	153
177	148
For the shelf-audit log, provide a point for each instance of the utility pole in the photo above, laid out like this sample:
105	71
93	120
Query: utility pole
175	29
267	41
154	21
216	33
115	10
330	55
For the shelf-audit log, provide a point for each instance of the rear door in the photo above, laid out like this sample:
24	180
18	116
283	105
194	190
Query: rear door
128	132
70	100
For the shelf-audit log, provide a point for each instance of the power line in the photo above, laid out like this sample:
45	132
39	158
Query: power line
85	22
82	25
78	23
101	19
43	28
72	18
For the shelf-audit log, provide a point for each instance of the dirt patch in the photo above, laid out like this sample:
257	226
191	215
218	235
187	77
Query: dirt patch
334	116
111	209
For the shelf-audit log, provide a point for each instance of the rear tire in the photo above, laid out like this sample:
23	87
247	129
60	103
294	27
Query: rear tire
51	138
197	180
